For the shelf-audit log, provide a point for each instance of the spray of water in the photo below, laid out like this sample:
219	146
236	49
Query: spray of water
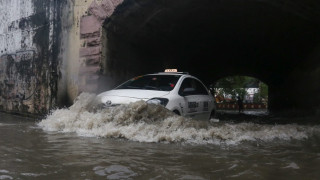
144	122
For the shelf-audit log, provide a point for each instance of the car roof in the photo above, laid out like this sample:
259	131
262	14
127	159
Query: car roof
173	74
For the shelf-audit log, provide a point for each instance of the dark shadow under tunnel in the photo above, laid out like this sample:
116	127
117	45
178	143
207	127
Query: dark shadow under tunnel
275	41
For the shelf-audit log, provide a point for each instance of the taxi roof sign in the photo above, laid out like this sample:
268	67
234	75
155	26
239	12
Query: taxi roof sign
171	70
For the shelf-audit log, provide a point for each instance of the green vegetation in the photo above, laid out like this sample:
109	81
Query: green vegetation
234	86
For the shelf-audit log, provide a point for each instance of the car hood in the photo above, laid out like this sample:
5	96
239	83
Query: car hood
134	93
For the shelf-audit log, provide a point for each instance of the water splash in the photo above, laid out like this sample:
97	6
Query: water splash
144	122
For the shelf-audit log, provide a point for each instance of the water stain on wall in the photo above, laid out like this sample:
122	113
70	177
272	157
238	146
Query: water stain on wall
17	81
29	56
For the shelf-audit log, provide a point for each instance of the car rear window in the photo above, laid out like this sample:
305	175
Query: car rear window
152	82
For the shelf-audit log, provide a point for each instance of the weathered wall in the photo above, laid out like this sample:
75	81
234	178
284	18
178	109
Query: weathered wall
93	45
50	51
71	43
84	48
29	49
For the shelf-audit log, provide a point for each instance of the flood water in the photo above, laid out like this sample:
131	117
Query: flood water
139	141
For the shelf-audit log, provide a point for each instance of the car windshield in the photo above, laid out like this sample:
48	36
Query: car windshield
152	82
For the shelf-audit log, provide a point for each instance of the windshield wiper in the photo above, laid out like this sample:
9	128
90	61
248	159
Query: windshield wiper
131	87
151	88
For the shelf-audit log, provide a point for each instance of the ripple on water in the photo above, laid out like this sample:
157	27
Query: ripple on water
4	171
292	166
187	177
5	177
115	172
33	174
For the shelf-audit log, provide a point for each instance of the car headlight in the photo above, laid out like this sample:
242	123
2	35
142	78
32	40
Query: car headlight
158	101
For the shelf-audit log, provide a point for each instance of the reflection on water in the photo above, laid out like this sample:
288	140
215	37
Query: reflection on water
143	142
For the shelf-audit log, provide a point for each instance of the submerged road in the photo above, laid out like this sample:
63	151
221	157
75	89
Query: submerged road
76	144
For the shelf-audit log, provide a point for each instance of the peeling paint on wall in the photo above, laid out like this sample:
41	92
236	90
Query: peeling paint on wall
29	42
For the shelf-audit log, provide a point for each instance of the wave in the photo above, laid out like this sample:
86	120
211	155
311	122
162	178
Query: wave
144	122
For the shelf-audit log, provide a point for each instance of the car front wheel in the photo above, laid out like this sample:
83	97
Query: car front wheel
176	112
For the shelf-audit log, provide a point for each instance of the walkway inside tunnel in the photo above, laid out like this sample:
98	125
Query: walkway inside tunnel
275	41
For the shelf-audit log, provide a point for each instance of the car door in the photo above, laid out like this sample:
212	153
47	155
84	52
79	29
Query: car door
191	100
203	99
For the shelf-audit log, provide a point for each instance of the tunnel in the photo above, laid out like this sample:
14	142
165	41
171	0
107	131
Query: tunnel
277	42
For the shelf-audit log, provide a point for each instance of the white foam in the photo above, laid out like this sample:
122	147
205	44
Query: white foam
5	177
144	122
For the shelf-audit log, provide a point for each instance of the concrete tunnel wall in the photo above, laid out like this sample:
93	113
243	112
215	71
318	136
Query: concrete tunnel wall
29	55
98	44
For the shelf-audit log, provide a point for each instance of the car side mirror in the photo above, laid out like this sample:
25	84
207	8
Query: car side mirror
188	91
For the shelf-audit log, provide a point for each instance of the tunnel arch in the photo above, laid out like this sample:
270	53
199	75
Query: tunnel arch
274	41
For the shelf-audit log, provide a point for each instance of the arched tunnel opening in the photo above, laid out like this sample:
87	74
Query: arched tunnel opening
274	41
241	93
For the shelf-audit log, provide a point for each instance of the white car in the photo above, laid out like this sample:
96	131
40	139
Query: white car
179	92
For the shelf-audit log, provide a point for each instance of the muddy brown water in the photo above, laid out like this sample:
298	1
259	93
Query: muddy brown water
105	145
